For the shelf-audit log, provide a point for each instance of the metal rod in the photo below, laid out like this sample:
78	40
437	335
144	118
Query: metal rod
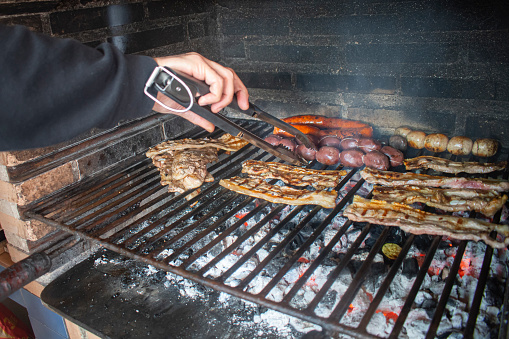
405	310
435	322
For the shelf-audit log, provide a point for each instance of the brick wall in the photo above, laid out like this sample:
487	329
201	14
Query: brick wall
154	28
440	66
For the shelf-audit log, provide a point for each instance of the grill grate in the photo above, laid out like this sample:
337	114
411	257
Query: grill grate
129	212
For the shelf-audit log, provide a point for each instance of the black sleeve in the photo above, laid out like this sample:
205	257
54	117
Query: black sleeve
52	89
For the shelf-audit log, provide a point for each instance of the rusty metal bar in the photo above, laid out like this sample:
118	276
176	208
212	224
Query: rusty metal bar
386	283
479	292
435	322
405	310
358	279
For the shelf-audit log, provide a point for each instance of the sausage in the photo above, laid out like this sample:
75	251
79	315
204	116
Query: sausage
324	122
348	132
416	139
306	129
351	157
327	155
376	160
485	147
349	143
460	145
329	140
272	139
313	138
436	142
307	153
288	143
396	157
368	144
398	142
403	131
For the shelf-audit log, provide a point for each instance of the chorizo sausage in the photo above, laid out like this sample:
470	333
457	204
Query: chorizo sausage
324	122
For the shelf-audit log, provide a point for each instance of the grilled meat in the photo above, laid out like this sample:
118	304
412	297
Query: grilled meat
449	166
259	188
183	163
226	142
420	222
292	175
395	179
451	200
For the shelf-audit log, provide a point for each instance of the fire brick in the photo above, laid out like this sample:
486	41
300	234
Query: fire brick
39	186
31	230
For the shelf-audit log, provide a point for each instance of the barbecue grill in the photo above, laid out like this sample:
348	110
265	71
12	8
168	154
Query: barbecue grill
128	211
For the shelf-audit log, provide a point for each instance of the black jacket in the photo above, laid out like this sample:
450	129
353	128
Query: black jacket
52	90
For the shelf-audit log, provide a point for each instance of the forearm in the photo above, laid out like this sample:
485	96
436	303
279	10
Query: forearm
55	89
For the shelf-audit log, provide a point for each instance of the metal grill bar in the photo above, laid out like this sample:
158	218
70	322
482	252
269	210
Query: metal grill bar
415	288
130	213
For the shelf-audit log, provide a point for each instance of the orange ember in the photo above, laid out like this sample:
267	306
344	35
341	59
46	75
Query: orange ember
464	267
303	260
389	315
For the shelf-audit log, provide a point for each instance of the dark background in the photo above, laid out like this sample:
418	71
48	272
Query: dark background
439	66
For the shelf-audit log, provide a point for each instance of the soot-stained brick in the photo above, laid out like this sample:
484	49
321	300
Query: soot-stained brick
372	24
234	48
33	22
279	81
295	54
94	18
448	88
483	51
319	26
346	83
169	9
141	41
25	7
488	127
402	53
259	26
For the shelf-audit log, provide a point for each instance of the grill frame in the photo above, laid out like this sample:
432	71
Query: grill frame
55	211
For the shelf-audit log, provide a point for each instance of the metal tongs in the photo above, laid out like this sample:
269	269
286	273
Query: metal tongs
186	90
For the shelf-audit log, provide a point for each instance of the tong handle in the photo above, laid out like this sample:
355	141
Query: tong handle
201	88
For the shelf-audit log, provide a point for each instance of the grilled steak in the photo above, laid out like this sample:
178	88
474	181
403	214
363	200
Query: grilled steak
292	175
395	179
451	200
449	166
183	163
259	188
420	222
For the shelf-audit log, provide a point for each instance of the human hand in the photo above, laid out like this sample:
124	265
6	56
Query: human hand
224	84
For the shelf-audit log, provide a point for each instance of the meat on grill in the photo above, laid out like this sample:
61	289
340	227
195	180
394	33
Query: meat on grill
449	166
451	200
187	169
292	175
259	188
395	179
183	163
420	222
225	142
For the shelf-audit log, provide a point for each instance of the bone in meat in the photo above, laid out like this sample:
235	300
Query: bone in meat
394	179
449	166
226	142
292	175
187	169
259	188
420	222
451	200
